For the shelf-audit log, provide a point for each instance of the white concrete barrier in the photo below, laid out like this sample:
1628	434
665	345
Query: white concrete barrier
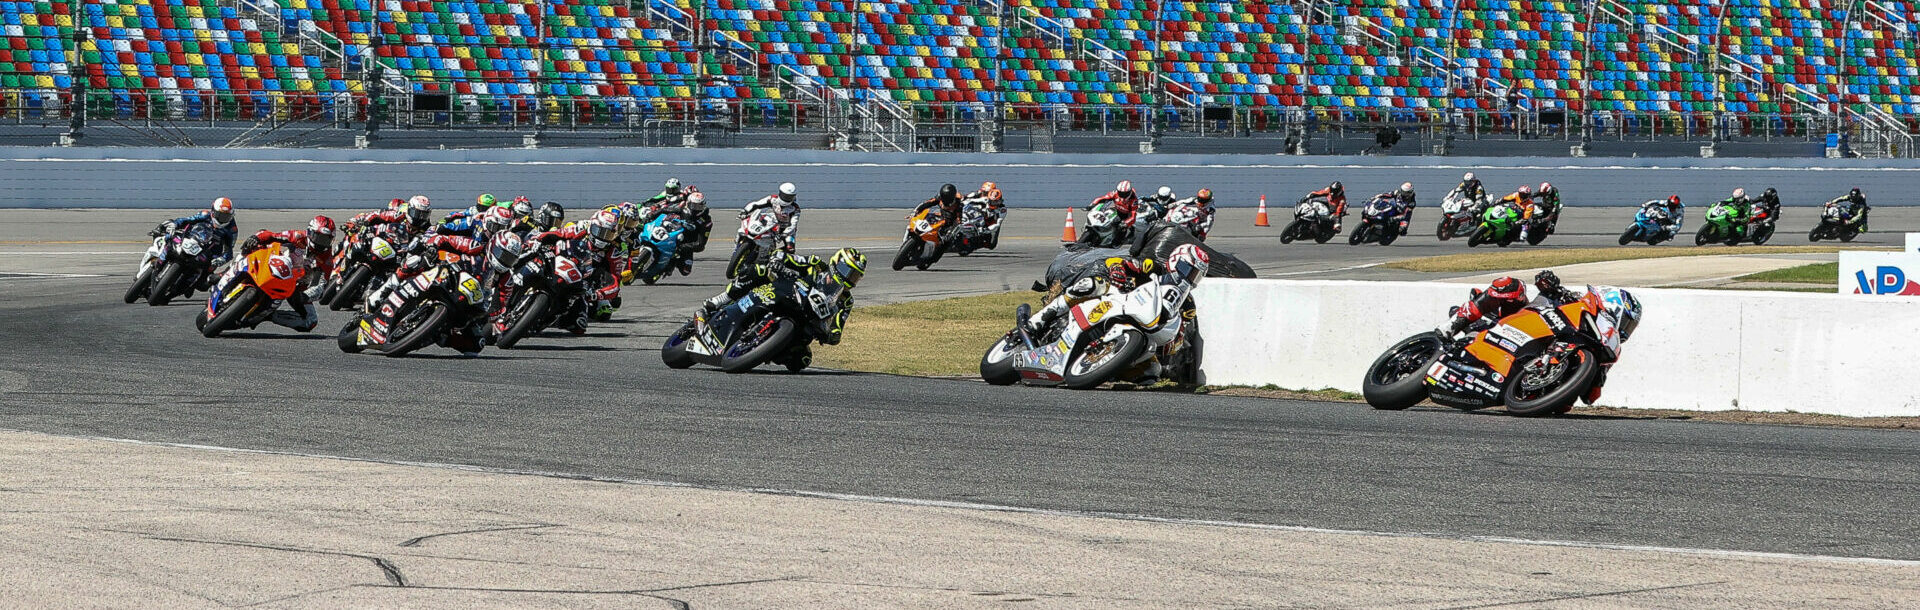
1695	349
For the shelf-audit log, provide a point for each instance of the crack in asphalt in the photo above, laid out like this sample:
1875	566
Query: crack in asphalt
415	541
1583	596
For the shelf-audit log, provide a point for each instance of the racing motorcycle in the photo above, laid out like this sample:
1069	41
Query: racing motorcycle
1137	335
1499	225
366	261
547	285
1459	215
442	305
657	243
1536	362
1650	225
1379	222
1536	226
979	228
1312	219
1760	224
921	246
1720	226
777	322
1193	218
1834	224
759	232
251	289
173	265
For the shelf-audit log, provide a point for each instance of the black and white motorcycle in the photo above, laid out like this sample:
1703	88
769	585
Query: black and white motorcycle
1137	335
174	265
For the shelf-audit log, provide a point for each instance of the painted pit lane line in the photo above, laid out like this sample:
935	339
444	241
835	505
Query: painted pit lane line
899	501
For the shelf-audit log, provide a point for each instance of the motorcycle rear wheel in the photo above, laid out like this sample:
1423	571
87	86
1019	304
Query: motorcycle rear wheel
996	366
1397	379
1536	235
1761	234
1118	355
161	292
235	310
348	339
423	332
938	251
530	316
1846	234
1560	395
139	287
673	353
1325	236
1444	232
772	341
1391	233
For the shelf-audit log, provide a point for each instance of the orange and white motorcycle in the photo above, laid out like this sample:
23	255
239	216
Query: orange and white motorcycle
1538	361
252	288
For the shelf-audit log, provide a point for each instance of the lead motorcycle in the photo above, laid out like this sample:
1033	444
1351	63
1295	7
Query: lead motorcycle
759	234
1836	223
777	322
1137	335
251	289
1650	225
1536	362
443	305
173	265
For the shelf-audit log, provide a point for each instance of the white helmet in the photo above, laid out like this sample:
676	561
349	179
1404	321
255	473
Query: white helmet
419	210
1125	187
1739	192
1406	187
1467	178
1166	191
697	202
420	200
788	191
1189	261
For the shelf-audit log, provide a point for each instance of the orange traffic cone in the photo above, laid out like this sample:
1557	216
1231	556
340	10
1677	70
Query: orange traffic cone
1260	217
1067	234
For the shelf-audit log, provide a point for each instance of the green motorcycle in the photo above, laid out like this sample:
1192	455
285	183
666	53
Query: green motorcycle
1500	225
1722	225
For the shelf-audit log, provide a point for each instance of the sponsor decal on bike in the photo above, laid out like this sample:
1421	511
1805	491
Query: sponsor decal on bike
1509	337
1099	311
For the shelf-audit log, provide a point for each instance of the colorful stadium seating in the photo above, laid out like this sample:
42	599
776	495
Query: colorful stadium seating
1390	57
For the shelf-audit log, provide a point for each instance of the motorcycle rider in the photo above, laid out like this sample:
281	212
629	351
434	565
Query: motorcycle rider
1737	206
413	218
1470	188
1204	201
600	237
1767	205
1520	201
785	204
1503	297
219	217
670	194
1672	222
1122	201
1154	207
1106	228
693	209
1335	195
1407	203
550	216
845	267
308	248
949	203
1546	202
1187	263
1856	203
993	206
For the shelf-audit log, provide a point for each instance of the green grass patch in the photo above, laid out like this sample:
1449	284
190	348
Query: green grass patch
935	338
1817	273
1534	259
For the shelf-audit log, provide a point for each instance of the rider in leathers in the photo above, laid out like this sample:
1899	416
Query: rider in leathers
693	209
1504	297
949	203
786	209
309	248
1737	207
845	267
598	238
1856	208
220	218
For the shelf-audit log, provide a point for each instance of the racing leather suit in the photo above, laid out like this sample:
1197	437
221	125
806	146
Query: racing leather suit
1153	207
949	210
1335	200
800	267
700	226
787	213
300	314
1738	208
1471	189
1856	209
608	265
227	233
1769	206
1206	214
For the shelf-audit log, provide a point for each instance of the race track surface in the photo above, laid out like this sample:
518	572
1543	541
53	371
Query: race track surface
77	361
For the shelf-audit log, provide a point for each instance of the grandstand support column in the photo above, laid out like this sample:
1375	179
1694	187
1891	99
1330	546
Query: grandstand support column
997	138
77	108
375	106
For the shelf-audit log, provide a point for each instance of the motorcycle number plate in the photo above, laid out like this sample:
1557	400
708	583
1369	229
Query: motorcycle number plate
1511	336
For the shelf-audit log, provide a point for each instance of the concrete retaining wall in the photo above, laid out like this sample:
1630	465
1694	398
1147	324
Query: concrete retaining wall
281	178
1695	349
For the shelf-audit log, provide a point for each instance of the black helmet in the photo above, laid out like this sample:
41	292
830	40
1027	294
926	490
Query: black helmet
1854	193
949	193
1769	192
1337	187
549	216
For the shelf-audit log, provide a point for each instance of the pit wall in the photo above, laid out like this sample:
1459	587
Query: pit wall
1701	350
314	178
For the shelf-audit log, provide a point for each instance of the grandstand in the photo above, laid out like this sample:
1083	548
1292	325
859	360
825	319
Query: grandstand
921	74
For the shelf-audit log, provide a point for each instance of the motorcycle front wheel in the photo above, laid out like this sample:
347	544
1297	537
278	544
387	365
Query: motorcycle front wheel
535	310
909	250
996	367
766	339
161	292
352	290
139	287
1287	235
1540	386
416	329
1706	234
233	312
1628	236
349	337
1098	361
743	255
1445	232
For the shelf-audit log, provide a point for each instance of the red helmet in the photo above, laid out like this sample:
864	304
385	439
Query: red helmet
1673	200
396	203
320	231
1205	195
1525	190
1508	289
1125	187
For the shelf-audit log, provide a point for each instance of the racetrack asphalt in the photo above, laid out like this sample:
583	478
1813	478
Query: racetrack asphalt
77	361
